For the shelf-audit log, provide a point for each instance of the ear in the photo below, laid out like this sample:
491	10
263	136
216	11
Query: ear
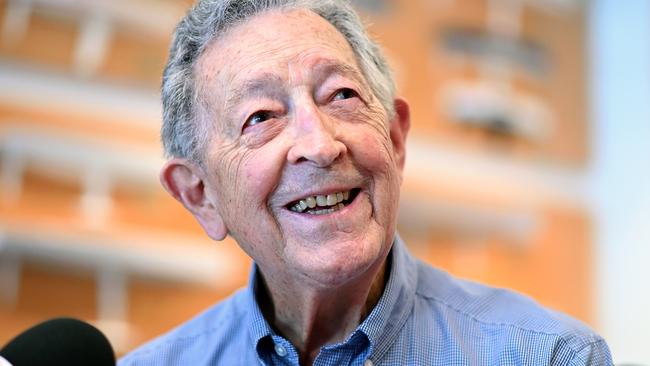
186	183
399	128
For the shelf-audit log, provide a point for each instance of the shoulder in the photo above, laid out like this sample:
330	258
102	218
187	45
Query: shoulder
503	318
216	329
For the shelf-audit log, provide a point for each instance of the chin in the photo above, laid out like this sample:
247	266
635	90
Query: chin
341	262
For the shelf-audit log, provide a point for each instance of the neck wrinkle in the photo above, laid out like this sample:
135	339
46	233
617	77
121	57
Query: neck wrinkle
320	318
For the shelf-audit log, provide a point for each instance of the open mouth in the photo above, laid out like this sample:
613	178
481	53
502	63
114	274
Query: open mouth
323	204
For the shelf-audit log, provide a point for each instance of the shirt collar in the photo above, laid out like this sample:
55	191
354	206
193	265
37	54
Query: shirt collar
385	320
396	303
259	327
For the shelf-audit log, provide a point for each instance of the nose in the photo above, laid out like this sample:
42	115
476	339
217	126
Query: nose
316	139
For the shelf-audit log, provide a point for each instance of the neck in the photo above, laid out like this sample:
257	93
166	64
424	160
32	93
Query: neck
311	317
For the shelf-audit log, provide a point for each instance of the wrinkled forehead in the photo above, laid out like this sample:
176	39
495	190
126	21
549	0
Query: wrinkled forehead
271	43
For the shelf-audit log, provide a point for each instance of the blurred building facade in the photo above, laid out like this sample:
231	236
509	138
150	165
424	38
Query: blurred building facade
620	79
495	186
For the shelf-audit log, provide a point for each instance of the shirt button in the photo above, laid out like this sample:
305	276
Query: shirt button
280	350
367	363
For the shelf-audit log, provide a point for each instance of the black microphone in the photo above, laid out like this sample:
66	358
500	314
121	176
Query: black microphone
61	341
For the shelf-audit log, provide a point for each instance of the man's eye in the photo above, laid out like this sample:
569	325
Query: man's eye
345	93
258	117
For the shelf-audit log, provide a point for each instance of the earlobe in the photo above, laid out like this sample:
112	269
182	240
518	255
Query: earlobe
185	182
399	128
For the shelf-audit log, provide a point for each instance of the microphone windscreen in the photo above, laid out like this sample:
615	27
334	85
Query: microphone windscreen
61	341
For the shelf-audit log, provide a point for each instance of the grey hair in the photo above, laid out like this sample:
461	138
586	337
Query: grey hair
182	134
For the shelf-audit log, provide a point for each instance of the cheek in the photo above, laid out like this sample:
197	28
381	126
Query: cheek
248	177
244	179
373	151
370	139
374	154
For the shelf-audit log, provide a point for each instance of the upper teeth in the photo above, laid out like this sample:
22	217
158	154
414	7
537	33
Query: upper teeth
321	200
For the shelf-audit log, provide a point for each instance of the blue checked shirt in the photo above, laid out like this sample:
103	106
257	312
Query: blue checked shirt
424	317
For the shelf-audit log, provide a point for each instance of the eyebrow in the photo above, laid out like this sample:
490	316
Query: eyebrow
271	85
264	85
327	68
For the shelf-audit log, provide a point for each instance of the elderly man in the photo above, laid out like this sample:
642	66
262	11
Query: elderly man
283	131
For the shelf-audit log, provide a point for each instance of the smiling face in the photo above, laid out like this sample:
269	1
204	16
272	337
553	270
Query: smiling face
303	166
